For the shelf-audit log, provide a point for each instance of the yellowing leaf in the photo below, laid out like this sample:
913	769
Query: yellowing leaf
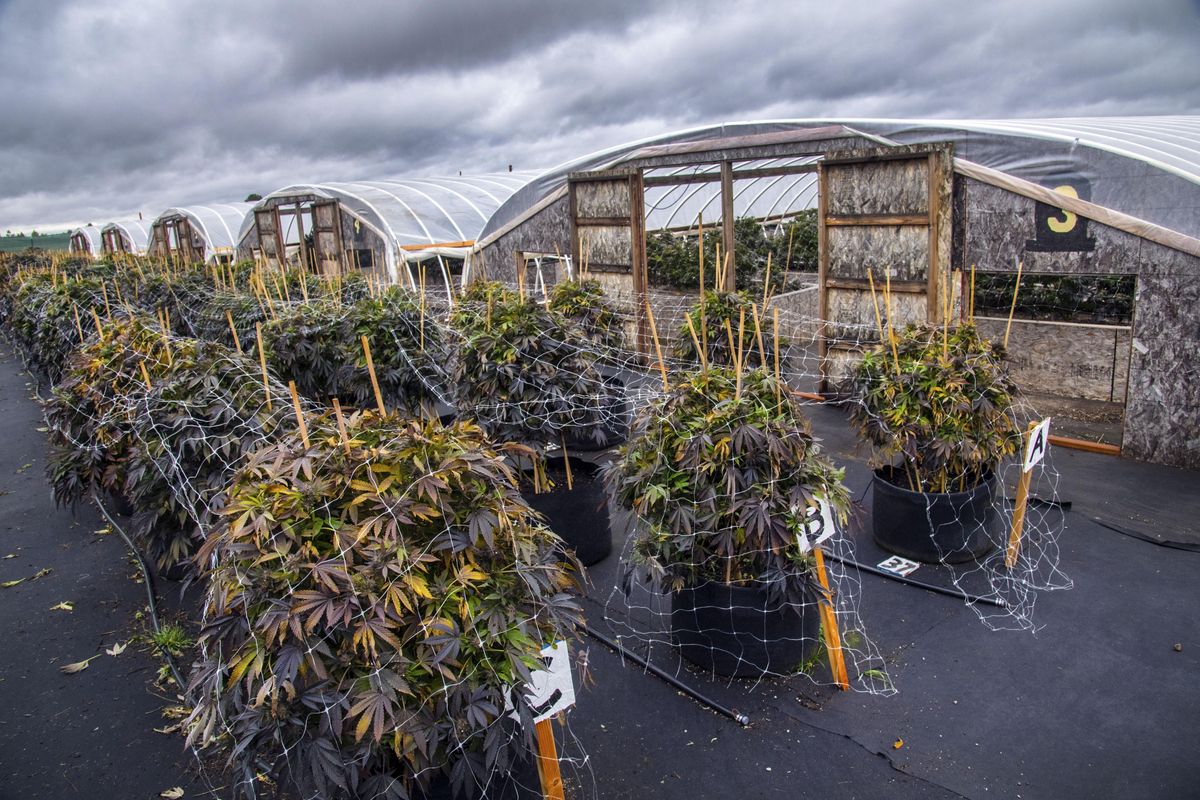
896	745
65	605
174	793
117	649
78	666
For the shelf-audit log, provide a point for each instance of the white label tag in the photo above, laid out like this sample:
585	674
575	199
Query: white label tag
1038	444
898	566
819	525
550	690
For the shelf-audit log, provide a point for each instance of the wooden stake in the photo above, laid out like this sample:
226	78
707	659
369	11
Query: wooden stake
567	463
662	367
78	326
366	346
891	330
740	360
262	362
1013	308
96	319
767	284
762	351
547	758
699	351
422	306
833	639
341	423
299	414
145	375
778	376
108	310
237	343
971	302
1018	523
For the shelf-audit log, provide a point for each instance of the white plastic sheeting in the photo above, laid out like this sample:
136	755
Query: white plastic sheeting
219	224
1147	167
411	211
134	232
92	234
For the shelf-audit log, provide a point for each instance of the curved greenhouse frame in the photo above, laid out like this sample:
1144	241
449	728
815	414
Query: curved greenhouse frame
86	241
127	236
198	234
377	225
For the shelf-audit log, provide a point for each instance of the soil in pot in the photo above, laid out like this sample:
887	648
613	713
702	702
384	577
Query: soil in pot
579	515
738	632
617	416
932	527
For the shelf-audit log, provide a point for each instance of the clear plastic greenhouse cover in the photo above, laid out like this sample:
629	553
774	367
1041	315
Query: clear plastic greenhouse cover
218	223
136	232
1162	185
93	237
413	211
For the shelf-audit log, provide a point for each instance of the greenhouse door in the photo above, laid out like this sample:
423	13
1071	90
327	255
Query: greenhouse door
327	236
885	216
266	221
608	237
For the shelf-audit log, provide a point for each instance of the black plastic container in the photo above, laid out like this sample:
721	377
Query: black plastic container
617	416
737	632
579	515
933	527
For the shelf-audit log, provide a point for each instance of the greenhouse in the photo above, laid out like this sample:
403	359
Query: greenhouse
198	234
129	236
1099	216
86	241
377	225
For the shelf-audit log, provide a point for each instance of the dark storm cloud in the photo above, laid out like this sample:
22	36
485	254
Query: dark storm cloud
115	107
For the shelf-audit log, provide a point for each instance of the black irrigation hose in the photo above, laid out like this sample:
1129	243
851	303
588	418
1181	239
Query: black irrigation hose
741	719
1190	547
930	587
148	581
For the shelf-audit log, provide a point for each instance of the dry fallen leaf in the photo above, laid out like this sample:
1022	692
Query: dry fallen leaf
896	745
78	666
65	605
169	729
10	584
10	555
173	793
117	649
107	529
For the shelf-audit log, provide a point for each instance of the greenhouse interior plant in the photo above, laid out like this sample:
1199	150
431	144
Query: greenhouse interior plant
937	411
724	324
722	474
378	595
520	373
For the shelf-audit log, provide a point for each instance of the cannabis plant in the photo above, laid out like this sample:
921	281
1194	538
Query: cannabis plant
377	597
724	324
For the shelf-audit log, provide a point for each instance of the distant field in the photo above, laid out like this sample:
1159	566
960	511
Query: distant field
51	241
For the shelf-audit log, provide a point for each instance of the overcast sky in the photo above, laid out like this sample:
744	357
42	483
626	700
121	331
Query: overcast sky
112	107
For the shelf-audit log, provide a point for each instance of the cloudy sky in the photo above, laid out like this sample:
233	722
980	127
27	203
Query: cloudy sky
111	107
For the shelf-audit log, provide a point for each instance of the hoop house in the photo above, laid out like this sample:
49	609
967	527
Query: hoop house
198	234
384	226
86	241
129	236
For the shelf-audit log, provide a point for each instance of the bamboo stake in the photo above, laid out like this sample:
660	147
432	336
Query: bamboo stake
371	371
108	310
145	375
662	367
762	351
96	319
262	362
778	376
891	331
422	305
78	326
1018	522
341	424
237	343
567	463
299	414
875	304
696	342
1013	308
767	284
971	314
740	352
945	321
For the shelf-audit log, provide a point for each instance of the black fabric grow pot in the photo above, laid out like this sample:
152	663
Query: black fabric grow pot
616	415
933	527
738	632
520	783
579	515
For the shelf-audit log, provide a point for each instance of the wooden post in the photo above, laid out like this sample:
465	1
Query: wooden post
1018	523
299	414
366	346
262	361
829	626
547	759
